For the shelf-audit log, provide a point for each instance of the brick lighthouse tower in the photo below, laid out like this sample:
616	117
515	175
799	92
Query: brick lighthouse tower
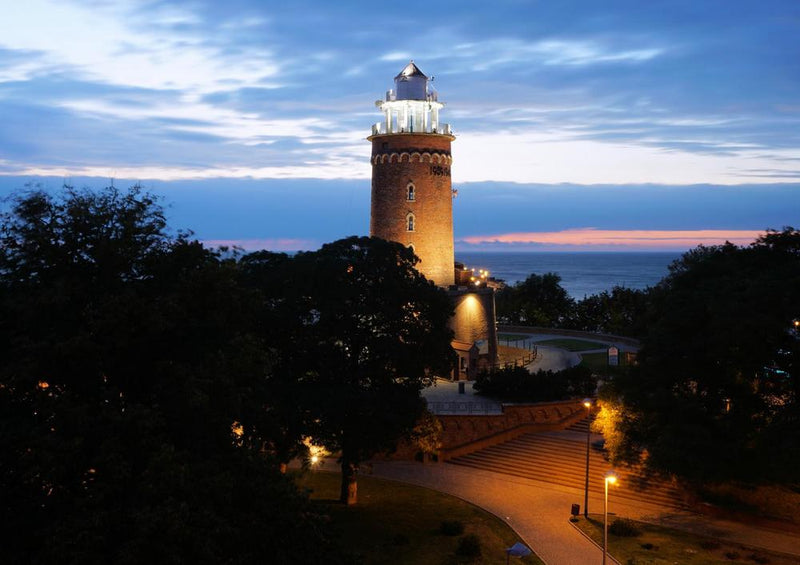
412	196
412	204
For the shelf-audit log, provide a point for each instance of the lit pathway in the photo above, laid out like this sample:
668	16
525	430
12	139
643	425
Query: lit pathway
539	512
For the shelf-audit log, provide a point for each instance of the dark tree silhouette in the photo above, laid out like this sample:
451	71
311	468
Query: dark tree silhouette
539	300
716	392
129	361
372	332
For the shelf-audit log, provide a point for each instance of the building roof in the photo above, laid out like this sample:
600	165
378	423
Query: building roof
410	70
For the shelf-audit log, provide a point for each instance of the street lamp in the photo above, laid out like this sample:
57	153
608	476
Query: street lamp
587	402
610	478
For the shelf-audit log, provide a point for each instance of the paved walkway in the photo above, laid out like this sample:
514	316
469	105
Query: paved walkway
539	512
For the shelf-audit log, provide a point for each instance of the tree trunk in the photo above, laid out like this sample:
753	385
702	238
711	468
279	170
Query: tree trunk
349	491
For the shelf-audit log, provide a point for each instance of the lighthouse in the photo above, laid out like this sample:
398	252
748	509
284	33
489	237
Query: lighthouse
412	204
412	194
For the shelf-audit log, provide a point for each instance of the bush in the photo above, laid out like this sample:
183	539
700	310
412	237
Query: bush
732	555
517	383
469	546
451	528
624	528
758	558
709	545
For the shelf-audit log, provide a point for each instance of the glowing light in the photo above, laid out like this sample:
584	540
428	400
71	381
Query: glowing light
316	453
587	403
237	429
43	385
611	477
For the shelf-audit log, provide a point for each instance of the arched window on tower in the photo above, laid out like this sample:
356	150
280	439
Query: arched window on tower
410	192
410	222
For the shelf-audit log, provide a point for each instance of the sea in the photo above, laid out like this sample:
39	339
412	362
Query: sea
582	274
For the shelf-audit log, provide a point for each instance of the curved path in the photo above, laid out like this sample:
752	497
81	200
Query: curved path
539	512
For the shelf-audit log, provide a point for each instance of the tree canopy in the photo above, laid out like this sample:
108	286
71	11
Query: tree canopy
716	391
372	332
539	300
130	358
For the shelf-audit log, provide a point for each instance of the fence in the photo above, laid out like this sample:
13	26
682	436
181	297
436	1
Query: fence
457	407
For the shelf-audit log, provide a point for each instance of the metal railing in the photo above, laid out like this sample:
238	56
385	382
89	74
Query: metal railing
458	407
379	128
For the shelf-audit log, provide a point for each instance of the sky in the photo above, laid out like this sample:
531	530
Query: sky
580	125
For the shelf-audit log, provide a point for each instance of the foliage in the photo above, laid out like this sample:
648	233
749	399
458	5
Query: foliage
368	332
621	312
129	361
721	354
519	384
427	434
539	300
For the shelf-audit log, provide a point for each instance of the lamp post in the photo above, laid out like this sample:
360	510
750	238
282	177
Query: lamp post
587	402
610	478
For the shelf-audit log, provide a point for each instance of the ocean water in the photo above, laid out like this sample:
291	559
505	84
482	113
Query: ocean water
581	274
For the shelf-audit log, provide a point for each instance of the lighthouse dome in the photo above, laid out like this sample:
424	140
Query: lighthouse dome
411	83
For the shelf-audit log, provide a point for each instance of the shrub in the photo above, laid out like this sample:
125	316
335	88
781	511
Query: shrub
469	546
732	555
624	528
758	558
648	546
517	383
709	545
451	528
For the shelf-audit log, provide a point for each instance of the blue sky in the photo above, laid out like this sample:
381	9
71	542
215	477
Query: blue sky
580	125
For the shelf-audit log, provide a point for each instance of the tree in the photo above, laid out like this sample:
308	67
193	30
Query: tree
716	392
129	361
539	300
372	332
619	312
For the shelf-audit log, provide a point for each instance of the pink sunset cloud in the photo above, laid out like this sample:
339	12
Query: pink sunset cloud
592	238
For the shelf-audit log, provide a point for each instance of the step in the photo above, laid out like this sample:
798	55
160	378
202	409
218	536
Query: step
561	460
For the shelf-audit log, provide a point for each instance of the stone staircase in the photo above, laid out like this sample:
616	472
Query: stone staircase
560	458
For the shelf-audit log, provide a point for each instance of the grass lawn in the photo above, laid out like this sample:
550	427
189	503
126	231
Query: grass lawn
573	344
598	363
656	545
511	337
398	524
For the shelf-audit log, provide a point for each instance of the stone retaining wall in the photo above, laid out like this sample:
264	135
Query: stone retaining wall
462	434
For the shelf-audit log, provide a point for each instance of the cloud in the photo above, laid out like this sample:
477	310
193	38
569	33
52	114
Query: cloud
282	244
556	157
112	43
591	238
537	92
